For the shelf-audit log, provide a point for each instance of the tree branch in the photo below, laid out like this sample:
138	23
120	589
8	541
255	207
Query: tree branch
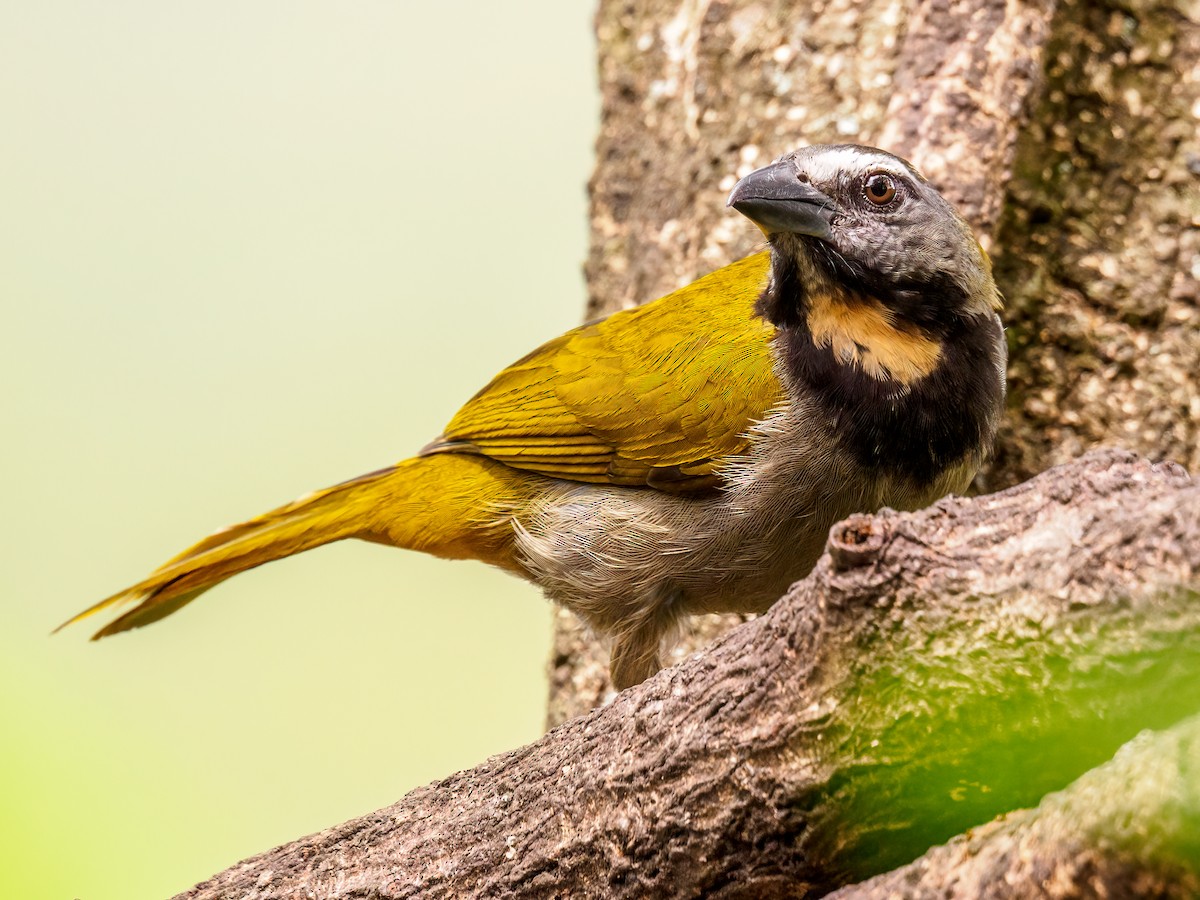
937	669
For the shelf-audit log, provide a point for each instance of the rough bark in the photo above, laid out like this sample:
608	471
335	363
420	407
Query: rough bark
1098	248
1066	131
935	670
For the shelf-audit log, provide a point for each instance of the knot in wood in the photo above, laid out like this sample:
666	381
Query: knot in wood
856	541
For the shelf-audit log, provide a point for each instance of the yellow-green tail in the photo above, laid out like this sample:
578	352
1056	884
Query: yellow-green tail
449	505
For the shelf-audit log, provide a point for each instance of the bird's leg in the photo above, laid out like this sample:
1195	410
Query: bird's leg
635	648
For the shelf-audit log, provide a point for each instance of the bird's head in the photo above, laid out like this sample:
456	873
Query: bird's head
885	307
863	222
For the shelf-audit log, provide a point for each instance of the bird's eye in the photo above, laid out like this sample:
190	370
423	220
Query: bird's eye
880	188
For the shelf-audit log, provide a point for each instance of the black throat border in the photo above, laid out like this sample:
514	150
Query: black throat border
917	431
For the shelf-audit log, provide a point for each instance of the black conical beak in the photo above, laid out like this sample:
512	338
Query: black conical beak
776	200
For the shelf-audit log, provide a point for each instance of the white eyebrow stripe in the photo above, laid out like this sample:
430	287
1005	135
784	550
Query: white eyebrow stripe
827	165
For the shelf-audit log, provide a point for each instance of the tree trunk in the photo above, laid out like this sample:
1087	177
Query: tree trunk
1067	132
936	669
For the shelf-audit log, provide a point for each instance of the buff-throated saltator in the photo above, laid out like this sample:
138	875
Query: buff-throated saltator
690	455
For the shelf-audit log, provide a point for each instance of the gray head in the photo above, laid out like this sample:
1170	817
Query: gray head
865	220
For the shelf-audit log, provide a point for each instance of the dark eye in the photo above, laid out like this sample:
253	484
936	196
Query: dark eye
880	188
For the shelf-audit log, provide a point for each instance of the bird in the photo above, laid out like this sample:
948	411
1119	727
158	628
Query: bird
690	455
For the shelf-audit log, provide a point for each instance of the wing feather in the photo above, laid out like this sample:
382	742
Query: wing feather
654	396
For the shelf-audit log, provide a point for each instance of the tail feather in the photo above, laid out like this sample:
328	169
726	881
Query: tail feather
320	518
430	503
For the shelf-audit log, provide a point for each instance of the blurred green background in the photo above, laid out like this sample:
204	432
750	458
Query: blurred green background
251	249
